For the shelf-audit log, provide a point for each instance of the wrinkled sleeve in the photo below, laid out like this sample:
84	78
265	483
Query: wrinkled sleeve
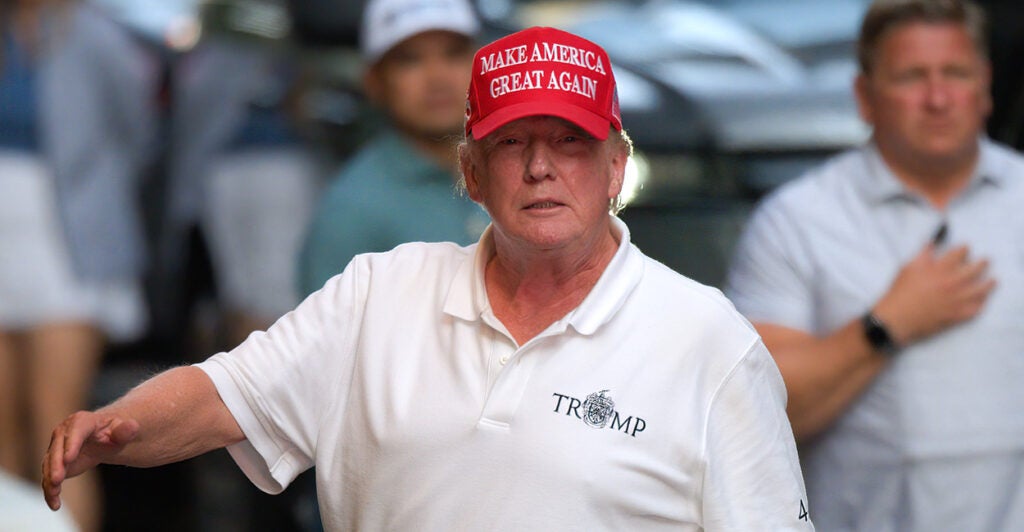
279	384
770	276
752	479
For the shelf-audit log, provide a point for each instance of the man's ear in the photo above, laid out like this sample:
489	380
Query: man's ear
619	160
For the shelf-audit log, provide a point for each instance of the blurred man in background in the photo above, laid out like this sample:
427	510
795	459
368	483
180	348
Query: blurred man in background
873	281
401	186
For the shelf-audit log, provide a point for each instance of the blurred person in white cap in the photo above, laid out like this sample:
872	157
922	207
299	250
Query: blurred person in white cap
399	187
548	377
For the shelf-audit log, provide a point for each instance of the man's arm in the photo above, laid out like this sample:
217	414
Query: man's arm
931	293
822	375
173	416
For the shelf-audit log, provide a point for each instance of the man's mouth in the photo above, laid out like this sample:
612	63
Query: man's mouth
543	205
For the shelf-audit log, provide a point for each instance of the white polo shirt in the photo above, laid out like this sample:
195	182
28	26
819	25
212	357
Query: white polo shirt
652	406
937	441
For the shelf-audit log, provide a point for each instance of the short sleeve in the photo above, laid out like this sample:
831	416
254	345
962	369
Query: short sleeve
770	276
279	384
752	479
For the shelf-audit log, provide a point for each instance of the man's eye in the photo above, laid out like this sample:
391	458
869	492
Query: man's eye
909	76
959	73
405	58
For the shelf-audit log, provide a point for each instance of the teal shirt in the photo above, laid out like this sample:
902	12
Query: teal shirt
387	195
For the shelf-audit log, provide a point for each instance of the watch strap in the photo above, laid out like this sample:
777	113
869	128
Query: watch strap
878	336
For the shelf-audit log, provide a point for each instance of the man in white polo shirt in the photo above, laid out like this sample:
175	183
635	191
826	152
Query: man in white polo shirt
550	377
872	281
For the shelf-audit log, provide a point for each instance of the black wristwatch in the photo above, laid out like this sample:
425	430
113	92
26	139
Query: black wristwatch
878	335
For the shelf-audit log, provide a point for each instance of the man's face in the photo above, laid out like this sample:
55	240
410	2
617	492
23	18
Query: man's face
928	93
422	83
545	182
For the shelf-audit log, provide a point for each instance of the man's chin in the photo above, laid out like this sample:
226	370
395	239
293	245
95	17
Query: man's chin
951	149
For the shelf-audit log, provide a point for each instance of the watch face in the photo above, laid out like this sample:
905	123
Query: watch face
877	335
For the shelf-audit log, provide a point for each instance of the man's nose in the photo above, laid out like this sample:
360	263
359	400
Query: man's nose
538	165
938	95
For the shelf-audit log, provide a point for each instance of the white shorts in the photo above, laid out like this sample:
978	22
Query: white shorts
37	285
258	205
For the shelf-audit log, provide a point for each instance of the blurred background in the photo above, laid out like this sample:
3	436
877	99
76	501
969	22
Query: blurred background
725	100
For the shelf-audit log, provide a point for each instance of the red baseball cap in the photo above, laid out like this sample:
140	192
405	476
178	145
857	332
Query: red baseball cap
542	71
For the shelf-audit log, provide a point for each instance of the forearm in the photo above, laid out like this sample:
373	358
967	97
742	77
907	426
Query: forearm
180	415
823	375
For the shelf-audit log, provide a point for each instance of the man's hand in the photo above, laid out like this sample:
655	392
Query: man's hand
78	444
934	291
181	411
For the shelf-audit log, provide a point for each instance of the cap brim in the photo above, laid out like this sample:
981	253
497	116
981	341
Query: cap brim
593	124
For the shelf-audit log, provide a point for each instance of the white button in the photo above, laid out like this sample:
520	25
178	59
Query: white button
503	360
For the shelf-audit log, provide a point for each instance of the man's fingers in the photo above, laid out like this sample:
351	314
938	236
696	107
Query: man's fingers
979	291
79	427
972	300
51	492
65	449
53	469
975	271
55	457
955	256
79	443
972	281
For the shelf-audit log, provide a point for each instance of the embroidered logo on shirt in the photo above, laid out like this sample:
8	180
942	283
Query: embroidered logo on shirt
598	411
597	408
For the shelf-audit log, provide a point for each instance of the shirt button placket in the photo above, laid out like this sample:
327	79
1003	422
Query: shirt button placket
513	375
